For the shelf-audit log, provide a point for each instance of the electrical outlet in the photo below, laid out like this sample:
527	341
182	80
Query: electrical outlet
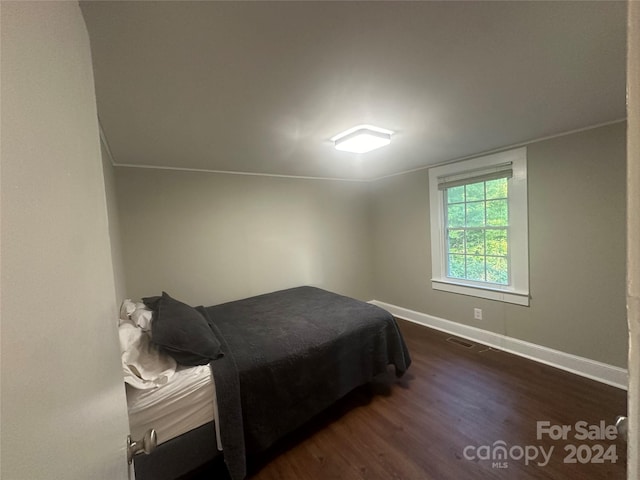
477	313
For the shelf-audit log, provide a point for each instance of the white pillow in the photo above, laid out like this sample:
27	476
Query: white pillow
137	312
126	309
144	365
141	316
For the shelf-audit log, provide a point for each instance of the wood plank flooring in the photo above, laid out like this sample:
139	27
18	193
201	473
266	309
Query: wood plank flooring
452	397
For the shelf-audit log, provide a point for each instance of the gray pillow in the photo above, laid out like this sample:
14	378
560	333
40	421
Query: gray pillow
182	331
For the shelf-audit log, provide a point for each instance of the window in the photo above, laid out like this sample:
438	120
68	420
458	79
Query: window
479	239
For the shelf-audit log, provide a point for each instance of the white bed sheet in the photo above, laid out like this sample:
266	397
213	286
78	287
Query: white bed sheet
186	402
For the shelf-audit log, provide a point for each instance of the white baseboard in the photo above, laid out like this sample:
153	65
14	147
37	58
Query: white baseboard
601	372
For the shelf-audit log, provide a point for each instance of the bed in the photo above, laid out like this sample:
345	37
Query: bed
275	361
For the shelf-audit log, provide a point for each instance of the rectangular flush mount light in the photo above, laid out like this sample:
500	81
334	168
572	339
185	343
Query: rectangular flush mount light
362	139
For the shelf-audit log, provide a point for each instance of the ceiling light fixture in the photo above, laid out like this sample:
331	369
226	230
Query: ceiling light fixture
362	139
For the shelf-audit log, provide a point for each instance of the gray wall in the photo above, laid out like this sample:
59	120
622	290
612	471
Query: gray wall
208	238
577	249
63	400
114	225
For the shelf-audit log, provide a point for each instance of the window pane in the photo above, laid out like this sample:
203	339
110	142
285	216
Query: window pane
497	188
477	237
475	268
455	215
497	213
475	214
496	239
475	191
497	270
455	194
456	266
456	241
475	242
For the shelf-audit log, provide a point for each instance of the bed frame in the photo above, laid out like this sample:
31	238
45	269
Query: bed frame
179	456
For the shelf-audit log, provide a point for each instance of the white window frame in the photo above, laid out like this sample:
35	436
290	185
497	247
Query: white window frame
517	291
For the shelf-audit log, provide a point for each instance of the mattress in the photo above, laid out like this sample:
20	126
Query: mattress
186	402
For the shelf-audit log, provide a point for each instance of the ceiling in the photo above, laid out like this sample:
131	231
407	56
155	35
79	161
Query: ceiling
261	87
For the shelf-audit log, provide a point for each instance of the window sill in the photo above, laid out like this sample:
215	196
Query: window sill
500	295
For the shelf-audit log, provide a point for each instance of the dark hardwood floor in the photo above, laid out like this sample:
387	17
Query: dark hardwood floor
452	400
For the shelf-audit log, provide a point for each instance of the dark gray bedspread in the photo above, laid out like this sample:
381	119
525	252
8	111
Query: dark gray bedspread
288	356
